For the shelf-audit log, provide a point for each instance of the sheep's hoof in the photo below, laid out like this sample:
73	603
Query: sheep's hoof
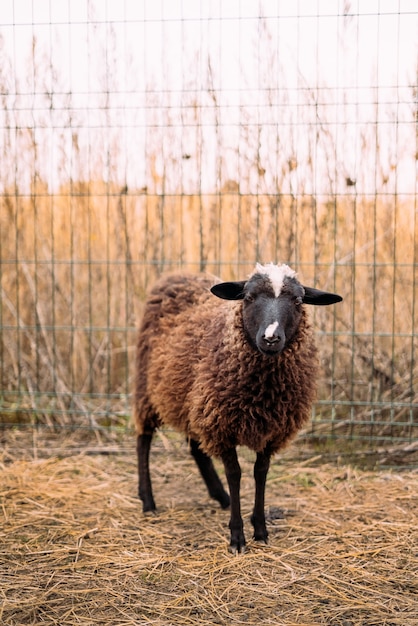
224	501
260	530
222	497
240	549
148	506
261	542
261	537
237	545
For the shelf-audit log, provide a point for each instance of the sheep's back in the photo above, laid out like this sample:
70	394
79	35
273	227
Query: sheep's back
175	293
175	312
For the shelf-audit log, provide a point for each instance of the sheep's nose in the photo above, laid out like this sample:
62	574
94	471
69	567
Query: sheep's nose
271	340
273	334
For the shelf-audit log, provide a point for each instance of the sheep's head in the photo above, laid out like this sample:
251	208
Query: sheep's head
273	301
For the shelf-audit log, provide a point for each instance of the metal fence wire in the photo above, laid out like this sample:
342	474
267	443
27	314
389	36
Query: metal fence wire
139	137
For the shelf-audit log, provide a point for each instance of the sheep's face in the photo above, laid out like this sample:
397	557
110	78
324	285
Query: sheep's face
270	321
272	305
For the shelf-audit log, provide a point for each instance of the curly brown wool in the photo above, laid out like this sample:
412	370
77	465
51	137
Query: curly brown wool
235	371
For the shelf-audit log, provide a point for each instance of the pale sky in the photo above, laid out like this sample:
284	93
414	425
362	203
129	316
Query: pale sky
237	85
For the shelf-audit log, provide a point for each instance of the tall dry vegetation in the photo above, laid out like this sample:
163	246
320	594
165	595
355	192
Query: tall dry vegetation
75	261
76	265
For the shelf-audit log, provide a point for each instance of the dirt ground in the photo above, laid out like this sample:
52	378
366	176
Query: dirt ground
76	548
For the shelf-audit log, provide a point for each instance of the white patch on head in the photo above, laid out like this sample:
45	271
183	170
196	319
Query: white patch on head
269	332
276	274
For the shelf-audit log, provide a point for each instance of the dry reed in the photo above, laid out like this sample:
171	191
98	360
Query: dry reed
214	186
76	265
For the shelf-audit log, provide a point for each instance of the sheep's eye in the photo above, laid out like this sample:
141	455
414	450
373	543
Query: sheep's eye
298	300
248	298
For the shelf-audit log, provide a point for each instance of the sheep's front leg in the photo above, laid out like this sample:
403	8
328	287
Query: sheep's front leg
233	476
258	520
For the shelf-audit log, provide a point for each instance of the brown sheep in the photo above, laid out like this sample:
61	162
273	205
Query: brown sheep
239	371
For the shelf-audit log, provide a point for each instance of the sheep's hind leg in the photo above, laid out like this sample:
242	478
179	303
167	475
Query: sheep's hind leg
258	519
145	487
233	475
209	475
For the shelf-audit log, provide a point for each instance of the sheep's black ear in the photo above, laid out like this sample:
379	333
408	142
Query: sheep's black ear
315	296
229	291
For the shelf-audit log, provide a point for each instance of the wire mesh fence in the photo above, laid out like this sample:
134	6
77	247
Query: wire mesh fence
143	137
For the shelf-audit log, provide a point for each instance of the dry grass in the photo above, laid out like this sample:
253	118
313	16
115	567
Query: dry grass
77	550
